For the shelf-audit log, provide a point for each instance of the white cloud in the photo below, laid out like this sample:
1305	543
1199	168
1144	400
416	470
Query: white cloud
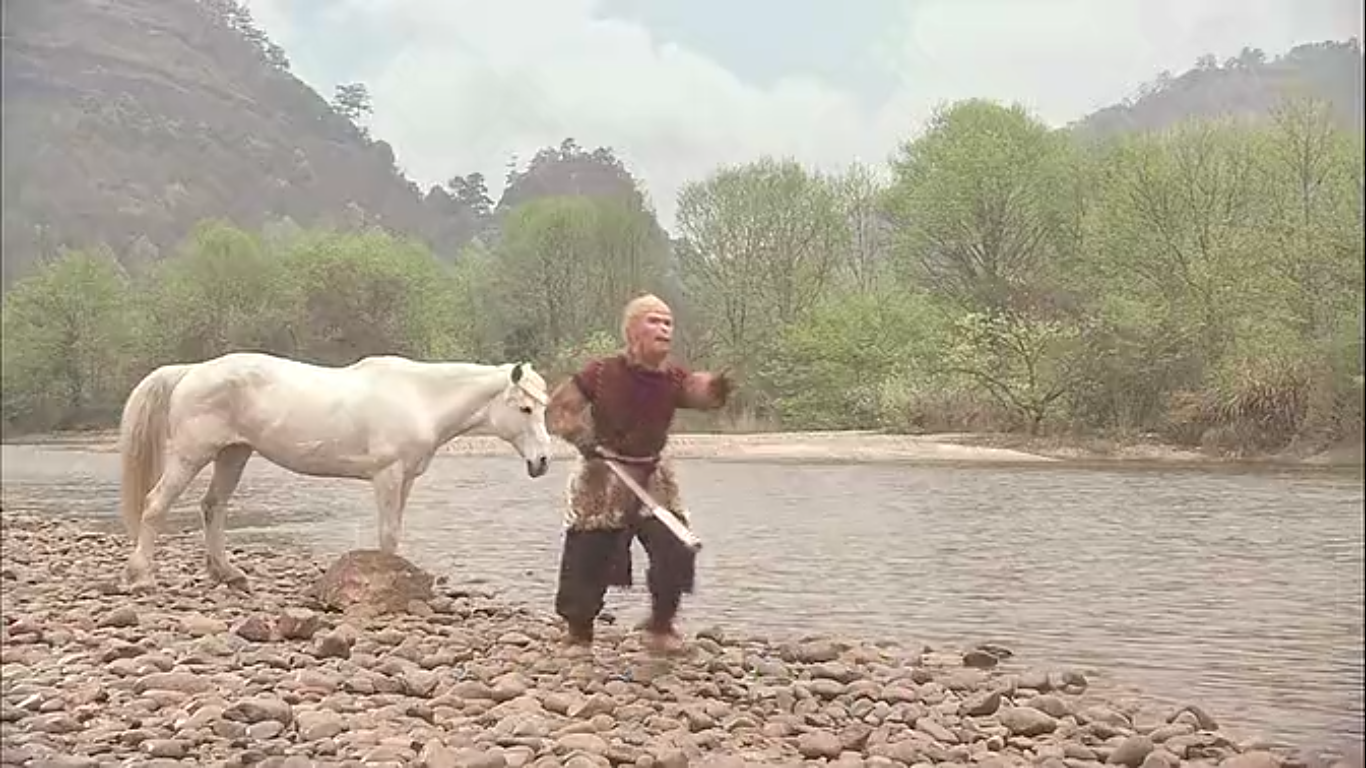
1065	58
473	83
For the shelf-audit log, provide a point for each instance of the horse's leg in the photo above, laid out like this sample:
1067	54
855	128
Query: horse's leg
180	471
227	472
403	500
390	486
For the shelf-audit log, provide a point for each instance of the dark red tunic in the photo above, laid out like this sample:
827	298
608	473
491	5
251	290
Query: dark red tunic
633	407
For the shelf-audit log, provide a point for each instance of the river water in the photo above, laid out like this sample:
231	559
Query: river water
1241	591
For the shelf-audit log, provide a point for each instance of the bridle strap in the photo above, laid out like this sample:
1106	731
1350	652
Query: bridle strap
536	395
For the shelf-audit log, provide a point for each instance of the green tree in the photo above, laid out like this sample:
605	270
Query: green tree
66	336
1178	225
566	264
866	259
472	192
1312	190
222	292
359	294
570	358
630	255
568	170
541	255
352	101
1025	363
830	370
988	214
236	16
978	202
477	311
764	242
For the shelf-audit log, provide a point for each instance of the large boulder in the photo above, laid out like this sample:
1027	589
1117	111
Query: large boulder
372	582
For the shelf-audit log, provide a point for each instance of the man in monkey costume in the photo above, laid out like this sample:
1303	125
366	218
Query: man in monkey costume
622	407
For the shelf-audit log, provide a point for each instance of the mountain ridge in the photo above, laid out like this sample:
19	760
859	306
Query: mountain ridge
126	123
1246	85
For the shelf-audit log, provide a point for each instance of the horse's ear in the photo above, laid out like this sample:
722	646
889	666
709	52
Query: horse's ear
517	372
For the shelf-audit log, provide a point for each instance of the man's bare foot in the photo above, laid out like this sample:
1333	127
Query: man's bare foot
578	637
665	642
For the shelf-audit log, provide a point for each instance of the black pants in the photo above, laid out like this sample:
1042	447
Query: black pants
592	561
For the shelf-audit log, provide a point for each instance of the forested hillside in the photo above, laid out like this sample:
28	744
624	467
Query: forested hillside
1201	280
1249	85
127	123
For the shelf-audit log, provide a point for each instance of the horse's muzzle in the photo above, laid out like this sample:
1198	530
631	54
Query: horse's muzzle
538	467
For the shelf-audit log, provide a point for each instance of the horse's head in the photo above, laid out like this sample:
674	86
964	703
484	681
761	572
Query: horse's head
518	416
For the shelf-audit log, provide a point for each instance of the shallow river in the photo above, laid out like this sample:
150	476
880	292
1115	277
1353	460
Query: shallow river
1240	591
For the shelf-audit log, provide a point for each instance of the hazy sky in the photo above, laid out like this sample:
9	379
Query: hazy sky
678	87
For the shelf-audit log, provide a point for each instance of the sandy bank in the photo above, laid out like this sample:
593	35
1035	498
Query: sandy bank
93	676
799	446
863	446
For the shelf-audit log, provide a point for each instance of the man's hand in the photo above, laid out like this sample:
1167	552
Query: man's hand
706	391
720	386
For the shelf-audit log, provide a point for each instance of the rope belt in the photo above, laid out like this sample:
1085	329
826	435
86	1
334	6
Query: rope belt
633	461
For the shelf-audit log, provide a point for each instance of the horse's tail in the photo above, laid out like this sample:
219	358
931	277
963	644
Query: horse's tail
143	431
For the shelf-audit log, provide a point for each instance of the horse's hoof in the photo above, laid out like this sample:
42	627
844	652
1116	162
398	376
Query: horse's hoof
142	586
233	579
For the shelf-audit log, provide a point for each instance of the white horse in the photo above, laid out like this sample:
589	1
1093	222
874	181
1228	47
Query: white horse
380	419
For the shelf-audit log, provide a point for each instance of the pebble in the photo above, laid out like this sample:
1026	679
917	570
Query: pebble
212	676
1132	751
1027	721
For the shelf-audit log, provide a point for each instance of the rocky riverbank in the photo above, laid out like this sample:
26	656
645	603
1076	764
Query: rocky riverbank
196	676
